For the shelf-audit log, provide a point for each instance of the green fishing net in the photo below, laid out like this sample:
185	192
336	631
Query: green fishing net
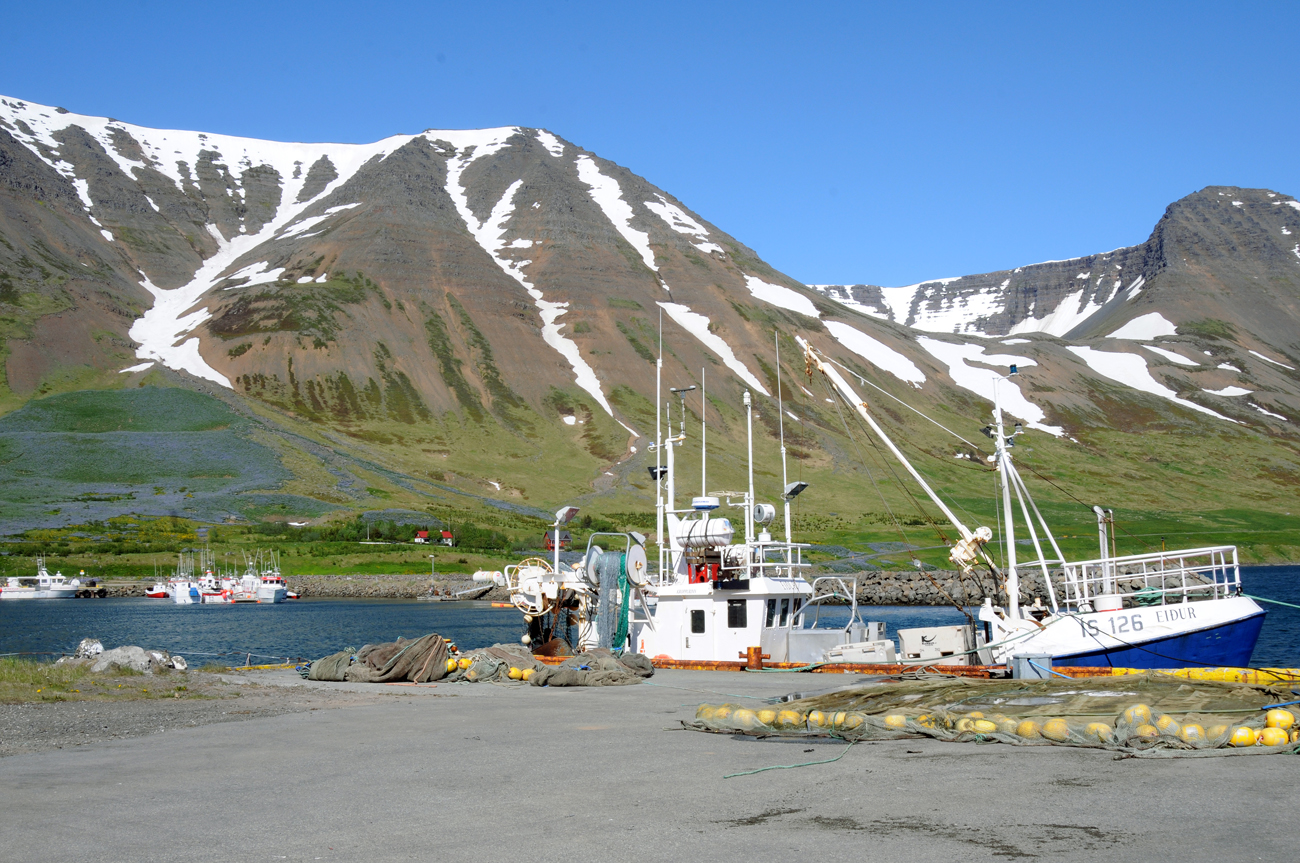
1139	714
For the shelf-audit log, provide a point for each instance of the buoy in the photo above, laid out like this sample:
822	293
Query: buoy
1099	730
451	665
1273	737
471	675
1167	725
723	713
1030	729
1147	731
1056	729
1192	733
515	673
528	673
817	719
767	716
704	712
895	720
464	662
745	719
789	718
838	719
1214	732
1279	718
925	719
1243	736
851	722
1007	726
965	724
1138	714
525	639
975	714
984	726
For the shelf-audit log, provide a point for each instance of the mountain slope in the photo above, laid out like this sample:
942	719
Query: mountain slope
471	318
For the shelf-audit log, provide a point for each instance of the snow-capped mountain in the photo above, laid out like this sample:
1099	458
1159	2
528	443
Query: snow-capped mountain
483	297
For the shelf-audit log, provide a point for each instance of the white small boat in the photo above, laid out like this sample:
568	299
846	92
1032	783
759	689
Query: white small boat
272	589
40	586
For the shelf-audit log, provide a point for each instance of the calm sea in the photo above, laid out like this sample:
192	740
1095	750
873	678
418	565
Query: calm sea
312	628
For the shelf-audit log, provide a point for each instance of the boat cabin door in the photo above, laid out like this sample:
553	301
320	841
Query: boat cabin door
698	628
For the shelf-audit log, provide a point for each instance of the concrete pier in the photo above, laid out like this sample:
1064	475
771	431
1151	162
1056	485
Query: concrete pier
482	772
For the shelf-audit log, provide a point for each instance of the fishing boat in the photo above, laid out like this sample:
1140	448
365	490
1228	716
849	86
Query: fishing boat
1161	609
40	586
713	596
160	590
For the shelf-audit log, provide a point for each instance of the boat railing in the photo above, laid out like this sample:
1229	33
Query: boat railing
776	559
1155	578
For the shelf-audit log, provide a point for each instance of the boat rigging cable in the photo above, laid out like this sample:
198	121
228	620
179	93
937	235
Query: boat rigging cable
898	480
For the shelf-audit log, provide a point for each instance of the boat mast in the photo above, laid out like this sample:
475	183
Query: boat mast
658	470
704	427
749	498
1004	468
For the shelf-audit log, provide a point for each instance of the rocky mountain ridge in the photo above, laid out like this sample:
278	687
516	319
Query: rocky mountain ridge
477	313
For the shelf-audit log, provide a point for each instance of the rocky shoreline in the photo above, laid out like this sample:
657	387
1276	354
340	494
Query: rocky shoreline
907	587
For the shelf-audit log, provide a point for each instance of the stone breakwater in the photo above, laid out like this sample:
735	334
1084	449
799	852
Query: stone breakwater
385	586
915	588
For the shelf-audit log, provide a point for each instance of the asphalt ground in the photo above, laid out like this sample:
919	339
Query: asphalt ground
483	772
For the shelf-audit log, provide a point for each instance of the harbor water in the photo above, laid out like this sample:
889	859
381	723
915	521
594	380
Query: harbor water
310	628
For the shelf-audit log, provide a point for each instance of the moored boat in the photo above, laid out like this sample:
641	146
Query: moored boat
40	586
1162	609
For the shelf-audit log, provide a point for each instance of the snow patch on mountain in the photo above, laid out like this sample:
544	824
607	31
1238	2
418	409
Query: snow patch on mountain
1146	327
1068	314
877	353
958	359
1131	371
551	143
1229	392
309	223
608	195
1171	356
698	326
1273	361
490	235
781	296
677	219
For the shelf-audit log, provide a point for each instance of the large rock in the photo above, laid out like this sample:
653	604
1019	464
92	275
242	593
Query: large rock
130	656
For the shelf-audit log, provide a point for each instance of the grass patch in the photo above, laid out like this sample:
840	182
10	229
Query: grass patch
25	681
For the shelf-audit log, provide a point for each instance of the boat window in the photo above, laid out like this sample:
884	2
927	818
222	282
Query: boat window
697	620
771	612
785	611
737	618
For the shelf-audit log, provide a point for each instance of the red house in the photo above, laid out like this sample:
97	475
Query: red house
550	540
421	536
448	539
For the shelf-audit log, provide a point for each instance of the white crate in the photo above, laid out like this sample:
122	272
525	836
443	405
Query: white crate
871	652
942	645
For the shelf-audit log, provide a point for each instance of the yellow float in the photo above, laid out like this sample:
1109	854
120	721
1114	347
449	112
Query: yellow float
984	726
895	720
767	716
1099	731
1056	729
1138	714
1147	731
1192	733
1273	737
1029	729
1279	718
1243	736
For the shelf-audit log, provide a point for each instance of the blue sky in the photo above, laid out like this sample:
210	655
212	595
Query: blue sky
876	142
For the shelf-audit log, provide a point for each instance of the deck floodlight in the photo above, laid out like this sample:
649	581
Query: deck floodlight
680	390
565	515
658	471
1020	429
987	431
794	489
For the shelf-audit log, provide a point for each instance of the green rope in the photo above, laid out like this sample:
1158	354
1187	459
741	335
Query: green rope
792	766
620	632
1274	601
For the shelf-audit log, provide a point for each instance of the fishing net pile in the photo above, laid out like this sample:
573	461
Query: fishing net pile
1140	714
423	660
